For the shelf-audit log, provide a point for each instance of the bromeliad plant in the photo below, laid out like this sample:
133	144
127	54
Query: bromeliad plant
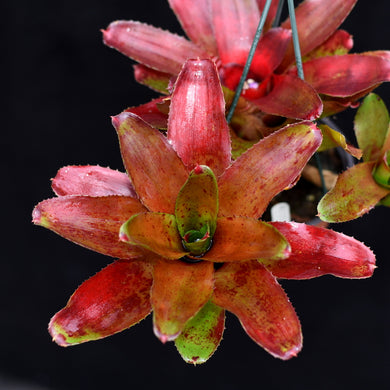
366	184
184	226
274	93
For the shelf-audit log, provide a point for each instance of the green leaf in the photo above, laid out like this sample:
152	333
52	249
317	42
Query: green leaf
202	334
381	173
372	127
332	138
197	204
355	193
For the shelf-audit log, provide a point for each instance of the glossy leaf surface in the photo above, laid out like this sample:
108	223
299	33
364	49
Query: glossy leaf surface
346	75
197	202
316	21
288	96
195	18
240	19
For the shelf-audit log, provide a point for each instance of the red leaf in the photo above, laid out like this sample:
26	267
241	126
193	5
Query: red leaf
250	292
197	127
154	167
179	291
114	299
92	222
317	251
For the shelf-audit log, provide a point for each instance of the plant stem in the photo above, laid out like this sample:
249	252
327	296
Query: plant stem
249	60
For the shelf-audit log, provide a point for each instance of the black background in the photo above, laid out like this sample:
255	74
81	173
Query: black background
60	85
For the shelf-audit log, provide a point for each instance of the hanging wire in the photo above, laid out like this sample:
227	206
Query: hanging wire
298	61
248	61
278	14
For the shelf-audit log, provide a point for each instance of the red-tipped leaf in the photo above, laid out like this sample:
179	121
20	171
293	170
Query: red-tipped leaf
345	75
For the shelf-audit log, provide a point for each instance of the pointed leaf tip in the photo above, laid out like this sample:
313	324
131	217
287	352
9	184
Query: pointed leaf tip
197	128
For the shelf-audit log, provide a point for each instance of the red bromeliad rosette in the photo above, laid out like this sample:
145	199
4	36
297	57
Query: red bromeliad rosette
224	31
184	224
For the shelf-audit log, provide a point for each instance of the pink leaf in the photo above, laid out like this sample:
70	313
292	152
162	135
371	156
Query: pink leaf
92	181
92	222
195	18
151	46
235	23
316	20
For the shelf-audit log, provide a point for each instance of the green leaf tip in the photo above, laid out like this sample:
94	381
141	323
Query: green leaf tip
202	334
